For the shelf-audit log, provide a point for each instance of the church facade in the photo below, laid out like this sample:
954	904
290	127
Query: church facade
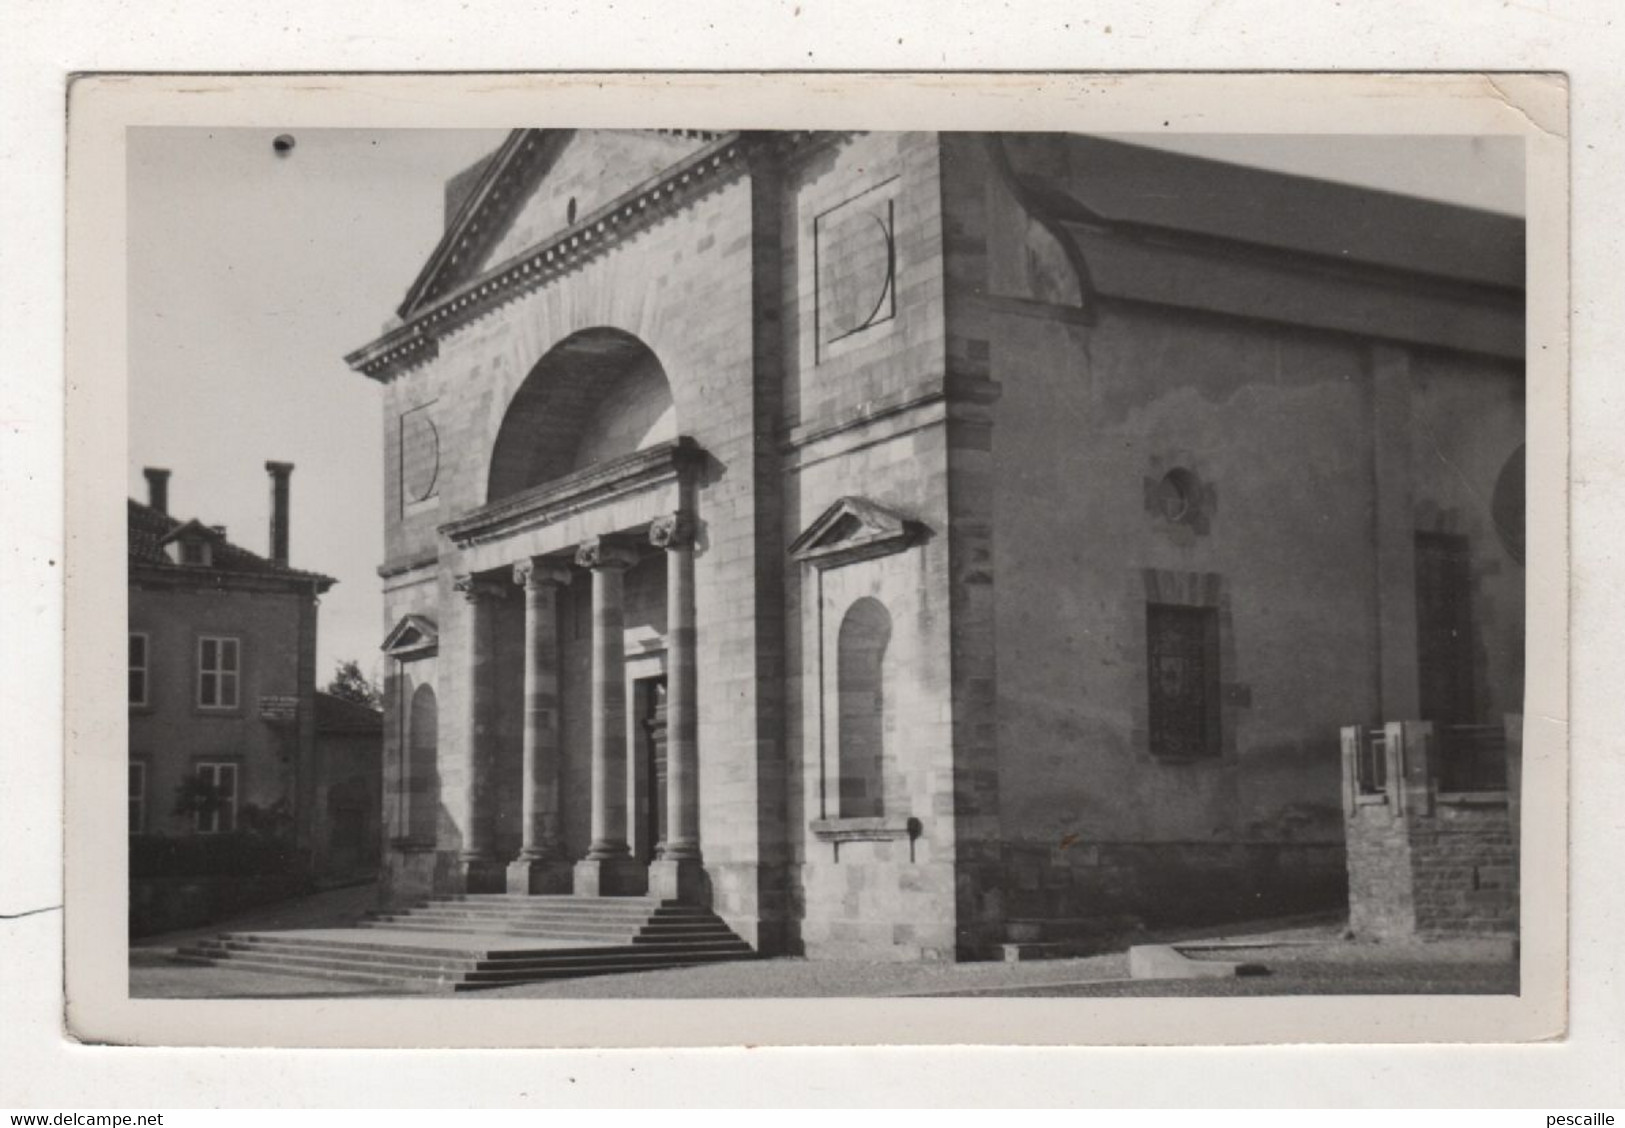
896	541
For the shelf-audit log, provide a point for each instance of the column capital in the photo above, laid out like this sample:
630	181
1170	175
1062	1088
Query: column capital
600	553
674	530
479	589
541	571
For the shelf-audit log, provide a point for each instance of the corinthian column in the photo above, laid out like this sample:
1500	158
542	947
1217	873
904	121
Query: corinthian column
481	871
677	873
541	866
608	869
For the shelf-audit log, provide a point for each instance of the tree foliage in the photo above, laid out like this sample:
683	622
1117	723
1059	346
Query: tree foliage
350	684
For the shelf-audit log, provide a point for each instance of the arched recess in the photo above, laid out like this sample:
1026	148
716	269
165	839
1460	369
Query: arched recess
596	395
865	709
423	767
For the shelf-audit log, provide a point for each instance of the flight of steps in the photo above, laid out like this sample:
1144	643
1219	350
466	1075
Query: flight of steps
465	943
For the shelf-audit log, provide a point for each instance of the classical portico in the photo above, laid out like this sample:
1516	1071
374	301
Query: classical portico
577	537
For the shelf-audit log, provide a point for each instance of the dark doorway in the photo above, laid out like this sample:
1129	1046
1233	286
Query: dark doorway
649	699
1444	628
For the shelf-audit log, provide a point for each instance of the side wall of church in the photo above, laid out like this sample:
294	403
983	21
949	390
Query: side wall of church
864	415
1288	438
1468	418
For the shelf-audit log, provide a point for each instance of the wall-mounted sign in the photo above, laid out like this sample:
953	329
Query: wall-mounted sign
279	706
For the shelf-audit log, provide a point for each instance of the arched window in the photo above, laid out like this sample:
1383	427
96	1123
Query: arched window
422	767
865	719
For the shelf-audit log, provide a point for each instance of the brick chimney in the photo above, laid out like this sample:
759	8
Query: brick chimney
279	471
157	488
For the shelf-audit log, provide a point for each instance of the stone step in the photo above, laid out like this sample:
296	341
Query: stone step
304	940
411	955
554	965
632	923
537	918
371	978
463	985
470	942
606	936
356	963
632	905
443	913
596	910
481	923
494	977
427	956
478	920
719	937
404	958
589	936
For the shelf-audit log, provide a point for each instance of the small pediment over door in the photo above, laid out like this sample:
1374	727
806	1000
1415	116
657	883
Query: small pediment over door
854	529
413	637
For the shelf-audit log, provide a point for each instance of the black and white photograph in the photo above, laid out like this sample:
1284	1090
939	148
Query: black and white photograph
589	562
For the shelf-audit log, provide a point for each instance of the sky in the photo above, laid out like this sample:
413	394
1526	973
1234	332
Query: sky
252	274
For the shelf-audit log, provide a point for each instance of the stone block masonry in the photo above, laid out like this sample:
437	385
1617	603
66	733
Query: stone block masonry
884	426
1425	863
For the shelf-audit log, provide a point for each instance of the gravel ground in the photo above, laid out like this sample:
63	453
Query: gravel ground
1309	971
333	908
159	980
1306	977
1302	959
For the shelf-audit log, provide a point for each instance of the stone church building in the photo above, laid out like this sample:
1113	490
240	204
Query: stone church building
900	540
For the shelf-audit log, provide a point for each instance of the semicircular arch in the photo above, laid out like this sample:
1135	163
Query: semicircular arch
596	395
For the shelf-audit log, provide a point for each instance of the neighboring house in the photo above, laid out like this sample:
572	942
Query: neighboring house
906	542
222	685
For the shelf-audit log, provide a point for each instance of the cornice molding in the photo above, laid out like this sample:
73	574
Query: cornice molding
955	391
719	163
401	566
175	577
584	489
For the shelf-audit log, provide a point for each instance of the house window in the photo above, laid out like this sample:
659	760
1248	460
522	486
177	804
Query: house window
217	814
217	669
138	669
138	797
1182	650
195	552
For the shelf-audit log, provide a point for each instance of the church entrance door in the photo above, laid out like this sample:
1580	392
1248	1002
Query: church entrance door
649	703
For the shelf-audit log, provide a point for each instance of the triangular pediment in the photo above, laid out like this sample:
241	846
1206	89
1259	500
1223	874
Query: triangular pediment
414	636
541	182
852	529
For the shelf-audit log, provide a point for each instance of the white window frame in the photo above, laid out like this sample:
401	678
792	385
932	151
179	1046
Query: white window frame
144	668
138	797
211	822
223	677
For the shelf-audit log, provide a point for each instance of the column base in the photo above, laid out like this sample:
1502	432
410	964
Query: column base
610	877
680	879
483	875
536	875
